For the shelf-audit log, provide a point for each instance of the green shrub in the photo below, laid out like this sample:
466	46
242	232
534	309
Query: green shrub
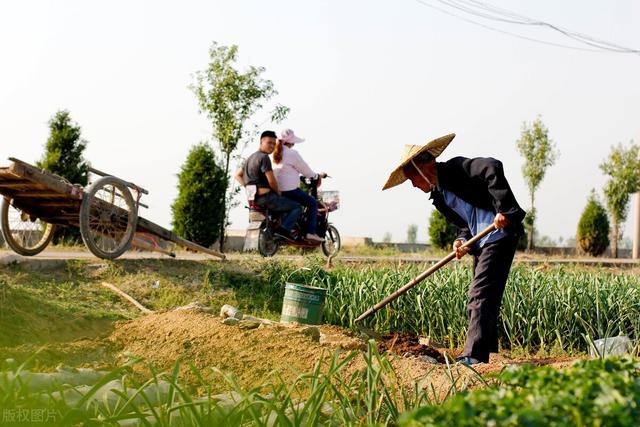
64	150
441	233
63	156
198	211
593	228
412	233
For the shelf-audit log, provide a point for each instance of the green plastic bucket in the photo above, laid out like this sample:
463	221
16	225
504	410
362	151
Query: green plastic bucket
302	304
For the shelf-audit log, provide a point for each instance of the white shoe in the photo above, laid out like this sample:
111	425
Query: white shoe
314	237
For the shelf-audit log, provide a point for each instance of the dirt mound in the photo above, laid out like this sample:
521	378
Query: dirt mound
253	356
407	344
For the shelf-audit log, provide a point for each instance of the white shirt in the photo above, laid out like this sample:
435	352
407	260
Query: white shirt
288	171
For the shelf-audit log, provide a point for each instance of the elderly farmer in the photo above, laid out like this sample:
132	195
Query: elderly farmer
471	194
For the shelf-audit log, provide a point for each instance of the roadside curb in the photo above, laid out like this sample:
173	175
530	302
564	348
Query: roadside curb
32	264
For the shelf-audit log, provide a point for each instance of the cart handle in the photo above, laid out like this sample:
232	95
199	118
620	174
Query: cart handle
127	183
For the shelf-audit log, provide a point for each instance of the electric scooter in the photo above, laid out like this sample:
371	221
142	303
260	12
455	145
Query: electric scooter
269	241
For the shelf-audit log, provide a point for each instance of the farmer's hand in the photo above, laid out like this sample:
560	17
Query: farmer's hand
460	251
500	221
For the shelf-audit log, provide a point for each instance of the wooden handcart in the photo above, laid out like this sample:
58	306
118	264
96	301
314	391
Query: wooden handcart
35	202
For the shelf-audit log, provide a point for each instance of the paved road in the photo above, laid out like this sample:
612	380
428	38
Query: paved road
7	257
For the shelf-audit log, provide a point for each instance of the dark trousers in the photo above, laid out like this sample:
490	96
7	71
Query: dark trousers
289	209
491	265
304	199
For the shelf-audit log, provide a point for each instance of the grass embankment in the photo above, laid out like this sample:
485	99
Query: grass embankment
63	310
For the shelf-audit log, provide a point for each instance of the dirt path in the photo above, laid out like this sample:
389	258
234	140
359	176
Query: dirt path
79	253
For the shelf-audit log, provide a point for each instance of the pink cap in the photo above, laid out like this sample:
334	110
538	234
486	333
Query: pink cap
287	135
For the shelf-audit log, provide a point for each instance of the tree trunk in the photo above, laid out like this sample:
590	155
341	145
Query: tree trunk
223	224
614	239
635	253
530	243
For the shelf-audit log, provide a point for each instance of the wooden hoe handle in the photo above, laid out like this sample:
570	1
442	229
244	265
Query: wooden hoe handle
423	275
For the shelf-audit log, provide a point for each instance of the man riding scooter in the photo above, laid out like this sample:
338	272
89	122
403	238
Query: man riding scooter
256	175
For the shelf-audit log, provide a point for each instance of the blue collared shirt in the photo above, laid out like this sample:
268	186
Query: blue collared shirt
476	218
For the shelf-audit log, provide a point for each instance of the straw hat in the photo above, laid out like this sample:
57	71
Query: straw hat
435	148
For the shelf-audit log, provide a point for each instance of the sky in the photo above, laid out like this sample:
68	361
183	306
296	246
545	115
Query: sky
362	78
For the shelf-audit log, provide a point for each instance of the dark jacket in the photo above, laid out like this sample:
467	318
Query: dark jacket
481	183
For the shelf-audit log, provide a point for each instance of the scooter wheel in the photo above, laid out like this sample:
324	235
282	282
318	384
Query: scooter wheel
332	242
267	244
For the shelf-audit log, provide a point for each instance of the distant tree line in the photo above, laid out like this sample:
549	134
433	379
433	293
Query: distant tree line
229	98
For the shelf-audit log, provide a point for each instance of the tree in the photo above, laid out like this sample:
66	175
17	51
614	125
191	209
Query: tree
229	98
386	238
571	242
547	241
63	156
539	153
412	233
198	209
64	150
625	243
593	228
623	168
441	233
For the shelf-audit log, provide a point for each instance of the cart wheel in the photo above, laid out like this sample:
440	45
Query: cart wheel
332	243
25	234
267	245
108	218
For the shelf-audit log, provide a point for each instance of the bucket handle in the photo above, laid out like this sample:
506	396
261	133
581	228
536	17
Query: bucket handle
295	271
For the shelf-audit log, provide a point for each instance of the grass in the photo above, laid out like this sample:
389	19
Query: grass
63	302
552	309
597	392
324	396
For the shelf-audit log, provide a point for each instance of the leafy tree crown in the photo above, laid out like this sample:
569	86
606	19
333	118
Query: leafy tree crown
538	152
441	233
623	168
229	97
64	150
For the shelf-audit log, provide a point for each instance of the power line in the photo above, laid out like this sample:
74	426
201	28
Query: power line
486	11
504	32
524	20
501	17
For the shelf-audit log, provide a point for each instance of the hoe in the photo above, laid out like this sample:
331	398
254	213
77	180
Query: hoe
371	333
